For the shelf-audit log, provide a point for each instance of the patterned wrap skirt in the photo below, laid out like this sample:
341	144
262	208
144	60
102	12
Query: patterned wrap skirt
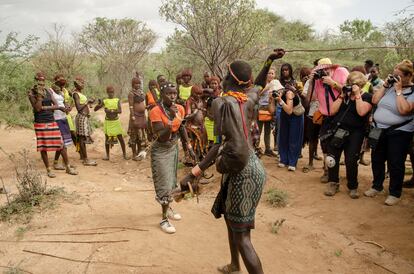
164	165
83	127
240	194
65	131
48	136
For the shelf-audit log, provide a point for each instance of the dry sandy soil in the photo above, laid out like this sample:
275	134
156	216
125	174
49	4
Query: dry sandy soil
115	201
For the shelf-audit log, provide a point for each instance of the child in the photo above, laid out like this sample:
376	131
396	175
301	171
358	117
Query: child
195	113
137	120
112	125
83	126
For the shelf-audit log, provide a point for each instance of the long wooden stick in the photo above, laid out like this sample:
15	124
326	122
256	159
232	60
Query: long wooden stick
350	48
67	242
79	233
86	261
107	227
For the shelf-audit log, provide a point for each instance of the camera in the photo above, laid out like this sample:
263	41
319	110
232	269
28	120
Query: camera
347	89
275	93
392	79
319	74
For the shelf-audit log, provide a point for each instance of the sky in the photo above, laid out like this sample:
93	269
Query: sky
38	16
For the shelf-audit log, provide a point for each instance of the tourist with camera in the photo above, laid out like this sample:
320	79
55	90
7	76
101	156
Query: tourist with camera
393	131
326	82
265	115
347	130
291	120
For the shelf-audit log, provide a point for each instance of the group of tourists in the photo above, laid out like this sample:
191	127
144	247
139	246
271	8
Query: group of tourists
220	121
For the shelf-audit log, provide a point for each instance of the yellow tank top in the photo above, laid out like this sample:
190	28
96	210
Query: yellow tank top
82	98
67	97
111	104
185	92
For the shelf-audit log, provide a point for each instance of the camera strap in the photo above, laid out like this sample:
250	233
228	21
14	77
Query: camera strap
328	92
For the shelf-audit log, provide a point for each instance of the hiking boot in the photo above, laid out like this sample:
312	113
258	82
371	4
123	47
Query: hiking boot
174	215
167	227
391	200
353	193
331	189
372	192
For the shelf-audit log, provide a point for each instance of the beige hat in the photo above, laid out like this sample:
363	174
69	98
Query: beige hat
324	63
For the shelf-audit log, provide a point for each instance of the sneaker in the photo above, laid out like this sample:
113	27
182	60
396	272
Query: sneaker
353	193
391	200
324	179
167	227
291	168
372	192
174	215
281	165
332	189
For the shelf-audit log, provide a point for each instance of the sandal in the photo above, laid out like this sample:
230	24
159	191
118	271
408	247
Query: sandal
317	157
88	162
227	269
57	166
307	168
50	174
71	171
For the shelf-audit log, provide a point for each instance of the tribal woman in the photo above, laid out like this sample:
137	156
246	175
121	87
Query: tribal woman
137	120
83	126
166	120
243	173
184	90
48	135
195	110
60	117
112	124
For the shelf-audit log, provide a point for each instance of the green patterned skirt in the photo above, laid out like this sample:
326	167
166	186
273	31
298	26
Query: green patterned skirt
240	194
164	165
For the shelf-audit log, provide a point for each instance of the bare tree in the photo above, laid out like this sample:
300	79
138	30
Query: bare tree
59	54
217	31
119	44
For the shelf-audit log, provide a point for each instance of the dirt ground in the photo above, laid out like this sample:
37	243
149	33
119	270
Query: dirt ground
115	202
